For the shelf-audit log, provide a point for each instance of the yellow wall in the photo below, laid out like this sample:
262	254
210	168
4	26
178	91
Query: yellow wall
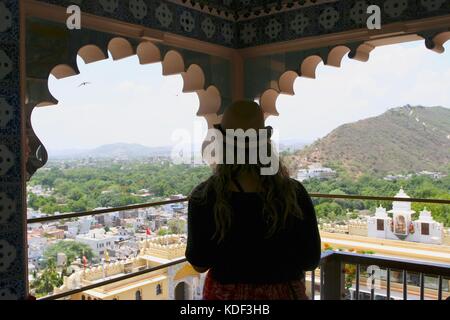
148	290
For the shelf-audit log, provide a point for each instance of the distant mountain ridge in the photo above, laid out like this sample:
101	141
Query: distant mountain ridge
134	150
117	150
401	140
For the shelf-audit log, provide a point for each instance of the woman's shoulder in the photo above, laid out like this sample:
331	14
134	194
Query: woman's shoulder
298	186
202	192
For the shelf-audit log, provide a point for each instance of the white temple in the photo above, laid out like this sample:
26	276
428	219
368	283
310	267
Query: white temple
401	226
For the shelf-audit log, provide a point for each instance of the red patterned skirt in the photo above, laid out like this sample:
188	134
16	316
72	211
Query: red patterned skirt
292	290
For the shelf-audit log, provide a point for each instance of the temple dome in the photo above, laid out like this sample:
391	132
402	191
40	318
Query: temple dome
401	207
402	194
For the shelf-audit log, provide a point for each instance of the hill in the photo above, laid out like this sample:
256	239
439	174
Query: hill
402	140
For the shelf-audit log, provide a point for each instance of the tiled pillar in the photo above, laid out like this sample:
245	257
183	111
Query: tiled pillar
12	219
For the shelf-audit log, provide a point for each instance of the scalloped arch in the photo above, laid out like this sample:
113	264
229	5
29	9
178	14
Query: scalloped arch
334	57
173	63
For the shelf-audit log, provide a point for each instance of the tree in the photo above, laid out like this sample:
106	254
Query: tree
47	281
71	249
329	210
176	226
163	232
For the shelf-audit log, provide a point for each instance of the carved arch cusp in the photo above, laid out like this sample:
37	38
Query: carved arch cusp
268	102
148	53
210	101
193	78
120	48
173	63
286	82
91	53
63	71
309	66
361	53
437	44
336	55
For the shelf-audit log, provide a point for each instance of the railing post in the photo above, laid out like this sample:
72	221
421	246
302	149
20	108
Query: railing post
333	279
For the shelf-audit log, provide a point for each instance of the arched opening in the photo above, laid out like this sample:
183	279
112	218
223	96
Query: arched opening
368	129
158	289
138	115
116	101
182	291
138	295
110	143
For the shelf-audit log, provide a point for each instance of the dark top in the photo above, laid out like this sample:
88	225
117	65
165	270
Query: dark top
245	256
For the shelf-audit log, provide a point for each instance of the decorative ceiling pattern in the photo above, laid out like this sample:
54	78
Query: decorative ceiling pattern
249	23
162	15
332	17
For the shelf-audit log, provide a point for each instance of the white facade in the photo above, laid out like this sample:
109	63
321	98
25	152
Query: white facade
401	226
98	240
36	247
85	224
315	171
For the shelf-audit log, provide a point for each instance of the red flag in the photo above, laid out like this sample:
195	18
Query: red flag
148	231
85	261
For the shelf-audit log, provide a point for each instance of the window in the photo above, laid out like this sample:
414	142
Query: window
380	224
425	227
138	295
158	290
83	297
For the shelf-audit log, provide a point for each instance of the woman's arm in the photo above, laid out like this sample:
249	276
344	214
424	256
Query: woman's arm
199	249
310	242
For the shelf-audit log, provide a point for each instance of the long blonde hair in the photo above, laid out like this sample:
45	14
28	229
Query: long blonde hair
278	193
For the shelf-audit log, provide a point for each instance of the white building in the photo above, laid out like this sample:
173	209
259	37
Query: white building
432	174
120	234
98	240
401	226
36	247
315	171
85	224
72	229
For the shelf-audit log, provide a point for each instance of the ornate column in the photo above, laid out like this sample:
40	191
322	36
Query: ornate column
13	263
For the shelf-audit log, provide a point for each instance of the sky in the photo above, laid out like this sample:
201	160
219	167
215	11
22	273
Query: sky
131	103
394	76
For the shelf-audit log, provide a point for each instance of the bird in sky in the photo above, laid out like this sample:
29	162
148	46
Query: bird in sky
84	84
